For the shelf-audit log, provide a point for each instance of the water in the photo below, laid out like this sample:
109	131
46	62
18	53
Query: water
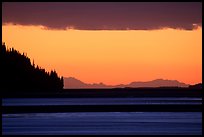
98	101
103	123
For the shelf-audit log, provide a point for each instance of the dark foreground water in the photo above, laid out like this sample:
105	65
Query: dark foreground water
100	101
103	123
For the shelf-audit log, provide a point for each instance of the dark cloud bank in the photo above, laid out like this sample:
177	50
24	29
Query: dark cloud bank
104	16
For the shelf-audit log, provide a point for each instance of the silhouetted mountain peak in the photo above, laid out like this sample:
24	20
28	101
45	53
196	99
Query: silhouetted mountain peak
158	83
72	82
73	79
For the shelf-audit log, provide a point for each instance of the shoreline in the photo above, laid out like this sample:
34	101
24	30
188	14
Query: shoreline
97	93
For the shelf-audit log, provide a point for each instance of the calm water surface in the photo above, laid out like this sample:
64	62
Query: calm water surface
98	101
103	123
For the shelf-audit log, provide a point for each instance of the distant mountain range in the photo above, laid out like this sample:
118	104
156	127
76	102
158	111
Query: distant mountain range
73	83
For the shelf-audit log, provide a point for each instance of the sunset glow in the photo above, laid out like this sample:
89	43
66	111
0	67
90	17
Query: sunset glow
112	56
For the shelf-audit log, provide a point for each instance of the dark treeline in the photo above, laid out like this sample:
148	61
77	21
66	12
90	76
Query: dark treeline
17	72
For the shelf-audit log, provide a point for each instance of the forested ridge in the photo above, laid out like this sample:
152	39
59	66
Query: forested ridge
17	72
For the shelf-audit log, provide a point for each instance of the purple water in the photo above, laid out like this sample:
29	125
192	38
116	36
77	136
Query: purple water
98	101
103	123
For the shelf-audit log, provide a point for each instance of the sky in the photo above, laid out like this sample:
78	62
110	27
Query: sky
113	43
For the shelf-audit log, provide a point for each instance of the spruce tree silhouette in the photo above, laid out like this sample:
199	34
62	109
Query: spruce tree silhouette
17	73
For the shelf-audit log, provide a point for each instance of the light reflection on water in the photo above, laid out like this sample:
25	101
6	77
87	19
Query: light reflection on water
103	123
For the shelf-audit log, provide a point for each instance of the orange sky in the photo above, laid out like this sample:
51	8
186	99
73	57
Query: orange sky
112	57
